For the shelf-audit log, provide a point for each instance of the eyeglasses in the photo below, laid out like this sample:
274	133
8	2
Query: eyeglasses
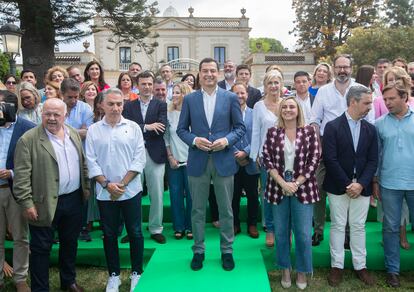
342	68
11	82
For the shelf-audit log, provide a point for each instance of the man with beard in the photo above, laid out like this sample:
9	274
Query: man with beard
229	75
330	103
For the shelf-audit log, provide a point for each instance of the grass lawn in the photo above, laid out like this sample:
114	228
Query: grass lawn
94	279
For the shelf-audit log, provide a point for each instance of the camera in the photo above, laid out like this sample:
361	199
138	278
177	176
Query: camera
7	113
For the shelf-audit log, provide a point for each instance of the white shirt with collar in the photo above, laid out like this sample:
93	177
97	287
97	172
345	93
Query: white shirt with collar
68	162
330	103
112	152
209	102
306	107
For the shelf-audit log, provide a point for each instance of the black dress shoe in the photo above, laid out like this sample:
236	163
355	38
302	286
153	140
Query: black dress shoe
158	237
227	261
393	280
197	261
73	288
237	230
316	239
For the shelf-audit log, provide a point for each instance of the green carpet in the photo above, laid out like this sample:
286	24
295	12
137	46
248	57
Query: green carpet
167	266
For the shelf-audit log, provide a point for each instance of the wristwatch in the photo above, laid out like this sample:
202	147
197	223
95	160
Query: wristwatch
105	184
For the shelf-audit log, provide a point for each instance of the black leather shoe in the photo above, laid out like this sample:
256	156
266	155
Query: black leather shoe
197	261
158	237
316	239
73	288
237	230
393	280
227	261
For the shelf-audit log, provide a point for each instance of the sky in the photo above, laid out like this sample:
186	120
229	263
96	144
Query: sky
267	18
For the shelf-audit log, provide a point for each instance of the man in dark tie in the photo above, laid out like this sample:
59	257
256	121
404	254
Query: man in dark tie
211	123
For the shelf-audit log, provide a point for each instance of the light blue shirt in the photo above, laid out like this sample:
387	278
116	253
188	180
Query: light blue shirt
112	152
80	115
144	107
5	138
355	127
396	148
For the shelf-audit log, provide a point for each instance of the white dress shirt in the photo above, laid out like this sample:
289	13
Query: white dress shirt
263	119
306	107
209	102
330	103
112	152
68	162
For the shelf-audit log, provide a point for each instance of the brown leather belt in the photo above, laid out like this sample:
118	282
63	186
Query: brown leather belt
4	186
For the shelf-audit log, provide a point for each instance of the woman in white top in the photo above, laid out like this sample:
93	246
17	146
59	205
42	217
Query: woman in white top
30	107
265	117
177	152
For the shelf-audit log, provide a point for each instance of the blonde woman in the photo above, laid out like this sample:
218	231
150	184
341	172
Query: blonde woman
321	75
265	116
88	93
29	107
291	157
177	152
52	90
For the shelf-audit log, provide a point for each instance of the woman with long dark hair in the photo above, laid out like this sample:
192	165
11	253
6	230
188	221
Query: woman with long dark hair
94	72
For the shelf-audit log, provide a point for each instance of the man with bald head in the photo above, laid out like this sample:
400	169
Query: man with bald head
50	183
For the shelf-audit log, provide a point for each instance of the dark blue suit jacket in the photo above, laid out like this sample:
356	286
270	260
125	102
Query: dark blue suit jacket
254	95
156	113
227	122
222	84
245	141
20	127
340	157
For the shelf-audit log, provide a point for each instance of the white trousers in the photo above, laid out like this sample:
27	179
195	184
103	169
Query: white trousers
342	207
154	178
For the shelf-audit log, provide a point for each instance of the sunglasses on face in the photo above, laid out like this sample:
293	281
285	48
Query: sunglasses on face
11	82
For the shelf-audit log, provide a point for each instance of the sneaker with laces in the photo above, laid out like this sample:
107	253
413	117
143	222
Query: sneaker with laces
113	283
134	280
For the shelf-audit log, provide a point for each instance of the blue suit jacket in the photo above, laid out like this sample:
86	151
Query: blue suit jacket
340	157
156	113
245	141
227	122
20	127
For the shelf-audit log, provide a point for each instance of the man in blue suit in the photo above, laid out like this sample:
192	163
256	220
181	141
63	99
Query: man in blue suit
350	152
10	212
211	123
247	176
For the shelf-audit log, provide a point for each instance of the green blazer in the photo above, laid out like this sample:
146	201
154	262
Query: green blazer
36	173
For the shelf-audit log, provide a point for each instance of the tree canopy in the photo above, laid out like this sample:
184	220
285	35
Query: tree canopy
266	45
399	12
323	25
47	22
369	45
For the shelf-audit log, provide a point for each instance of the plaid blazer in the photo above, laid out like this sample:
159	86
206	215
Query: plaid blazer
306	162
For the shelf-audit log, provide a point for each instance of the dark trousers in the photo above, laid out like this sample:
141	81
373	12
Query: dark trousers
67	222
243	180
110	215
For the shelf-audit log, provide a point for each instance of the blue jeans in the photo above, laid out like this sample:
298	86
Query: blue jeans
110	217
267	207
391	205
290	214
180	193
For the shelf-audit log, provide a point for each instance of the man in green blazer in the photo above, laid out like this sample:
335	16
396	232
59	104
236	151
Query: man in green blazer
51	184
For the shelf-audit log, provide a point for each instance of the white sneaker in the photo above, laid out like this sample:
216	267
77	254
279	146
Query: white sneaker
134	280
113	283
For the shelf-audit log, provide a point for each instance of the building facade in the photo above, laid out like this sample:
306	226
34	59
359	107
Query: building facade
182	42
